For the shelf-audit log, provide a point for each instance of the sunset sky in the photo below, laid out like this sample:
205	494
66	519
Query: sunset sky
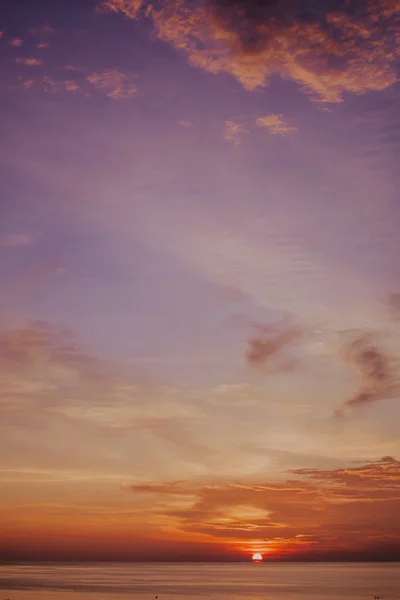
200	279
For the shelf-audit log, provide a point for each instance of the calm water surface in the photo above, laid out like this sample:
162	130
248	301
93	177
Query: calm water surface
357	581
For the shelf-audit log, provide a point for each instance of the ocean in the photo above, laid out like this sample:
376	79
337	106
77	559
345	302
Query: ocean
198	581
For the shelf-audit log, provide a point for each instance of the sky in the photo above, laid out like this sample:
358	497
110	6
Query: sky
200	283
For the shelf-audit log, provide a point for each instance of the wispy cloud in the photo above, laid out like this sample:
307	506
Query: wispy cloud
29	62
269	344
27	83
379	373
71	85
275	124
234	131
27	350
114	84
15	42
41	365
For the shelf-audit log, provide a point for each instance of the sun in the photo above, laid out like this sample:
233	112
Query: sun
257	557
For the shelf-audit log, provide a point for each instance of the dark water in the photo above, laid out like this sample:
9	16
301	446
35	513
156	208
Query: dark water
357	581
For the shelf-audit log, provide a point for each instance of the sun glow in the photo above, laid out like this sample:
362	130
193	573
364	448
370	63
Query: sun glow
256	557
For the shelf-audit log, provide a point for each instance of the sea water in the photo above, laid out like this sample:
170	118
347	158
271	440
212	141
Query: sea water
198	581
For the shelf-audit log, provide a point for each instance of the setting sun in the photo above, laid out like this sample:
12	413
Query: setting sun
256	557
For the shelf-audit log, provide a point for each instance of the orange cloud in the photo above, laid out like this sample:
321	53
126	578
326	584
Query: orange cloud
53	86
116	85
348	509
327	51
15	42
71	85
46	379
233	131
333	514
275	124
29	62
113	84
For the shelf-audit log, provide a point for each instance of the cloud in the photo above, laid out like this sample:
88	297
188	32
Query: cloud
114	84
233	131
48	84
378	372
15	42
71	85
394	304
313	510
275	124
171	488
46	377
41	352
42	35
230	429
42	366
56	86
29	62
128	410
49	384
269	344
329	49
384	474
